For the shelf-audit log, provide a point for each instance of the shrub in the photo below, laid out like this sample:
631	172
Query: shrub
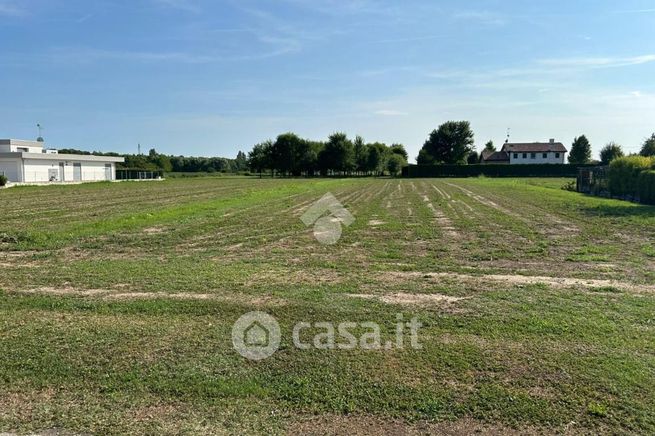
624	174
3	180
647	187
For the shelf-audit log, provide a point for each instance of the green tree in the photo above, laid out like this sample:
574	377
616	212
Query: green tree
610	152
361	155
648	149
259	159
424	158
287	153
395	164
241	162
373	158
473	158
580	151
489	146
164	163
338	154
449	144
400	150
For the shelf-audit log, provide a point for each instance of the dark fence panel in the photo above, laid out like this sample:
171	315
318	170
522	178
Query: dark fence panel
594	181
131	174
529	170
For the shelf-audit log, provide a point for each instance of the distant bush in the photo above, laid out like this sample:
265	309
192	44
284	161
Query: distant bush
624	175
3	180
647	187
570	186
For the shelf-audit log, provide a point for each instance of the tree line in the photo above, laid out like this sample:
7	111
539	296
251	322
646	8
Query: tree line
581	151
291	155
452	143
154	161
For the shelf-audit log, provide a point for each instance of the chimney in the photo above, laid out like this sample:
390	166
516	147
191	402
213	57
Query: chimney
552	140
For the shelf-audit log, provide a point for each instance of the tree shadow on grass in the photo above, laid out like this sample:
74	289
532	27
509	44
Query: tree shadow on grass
620	209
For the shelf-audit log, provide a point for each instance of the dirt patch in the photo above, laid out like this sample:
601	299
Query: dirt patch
556	282
116	294
154	230
366	425
409	299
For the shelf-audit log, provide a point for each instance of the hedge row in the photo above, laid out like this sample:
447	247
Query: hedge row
504	170
647	187
631	177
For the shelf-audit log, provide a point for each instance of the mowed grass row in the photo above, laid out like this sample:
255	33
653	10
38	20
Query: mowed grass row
90	343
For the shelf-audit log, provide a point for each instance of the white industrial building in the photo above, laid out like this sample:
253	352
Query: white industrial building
29	162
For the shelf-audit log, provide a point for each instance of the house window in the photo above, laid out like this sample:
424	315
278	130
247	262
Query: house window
533	155
525	155
557	155
516	155
545	156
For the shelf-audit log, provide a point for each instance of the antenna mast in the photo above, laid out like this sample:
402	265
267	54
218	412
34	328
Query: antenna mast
508	133
40	130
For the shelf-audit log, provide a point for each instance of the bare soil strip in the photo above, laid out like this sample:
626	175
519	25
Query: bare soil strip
409	299
556	282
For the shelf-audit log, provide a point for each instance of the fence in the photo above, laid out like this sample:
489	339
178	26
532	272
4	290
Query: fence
491	170
594	181
131	174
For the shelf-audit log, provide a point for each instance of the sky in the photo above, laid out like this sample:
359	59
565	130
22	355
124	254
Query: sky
211	77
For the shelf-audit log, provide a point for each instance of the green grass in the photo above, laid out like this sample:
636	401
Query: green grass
512	354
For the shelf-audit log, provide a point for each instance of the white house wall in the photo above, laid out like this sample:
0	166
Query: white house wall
539	159
38	171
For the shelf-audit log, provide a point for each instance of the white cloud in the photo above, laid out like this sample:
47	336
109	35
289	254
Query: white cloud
599	62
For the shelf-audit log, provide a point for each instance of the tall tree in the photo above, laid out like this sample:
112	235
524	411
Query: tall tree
450	143
489	146
338	154
424	158
286	153
361	155
648	149
259	159
400	150
610	152
395	164
580	151
241	162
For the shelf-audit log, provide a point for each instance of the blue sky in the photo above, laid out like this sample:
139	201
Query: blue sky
210	77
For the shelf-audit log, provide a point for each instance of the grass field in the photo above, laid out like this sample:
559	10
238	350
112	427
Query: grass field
117	303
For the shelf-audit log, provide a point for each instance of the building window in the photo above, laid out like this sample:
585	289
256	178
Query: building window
525	155
516	155
557	155
545	156
24	149
533	155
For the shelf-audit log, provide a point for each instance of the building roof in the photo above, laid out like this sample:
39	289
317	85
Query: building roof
63	157
534	147
494	156
22	142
